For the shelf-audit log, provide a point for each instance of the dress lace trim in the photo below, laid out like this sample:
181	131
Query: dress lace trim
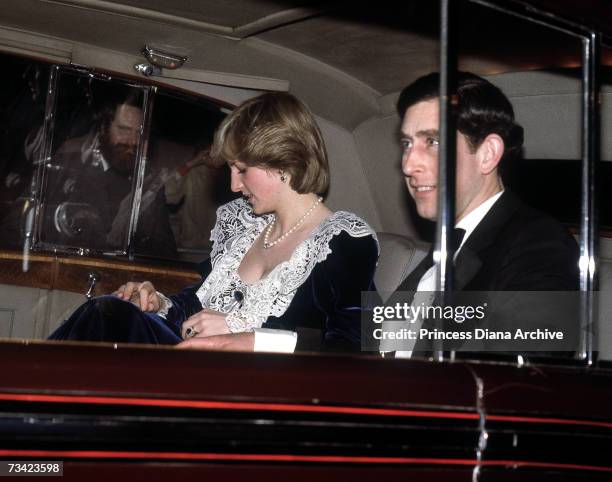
233	235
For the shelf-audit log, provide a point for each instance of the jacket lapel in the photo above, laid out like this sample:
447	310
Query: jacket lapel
470	259
412	280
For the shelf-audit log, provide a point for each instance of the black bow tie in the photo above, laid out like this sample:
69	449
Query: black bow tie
411	282
456	237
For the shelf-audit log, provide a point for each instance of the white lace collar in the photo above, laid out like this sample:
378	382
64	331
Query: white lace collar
233	235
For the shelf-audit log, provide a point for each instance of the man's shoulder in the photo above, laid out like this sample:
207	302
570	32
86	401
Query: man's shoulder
74	158
72	145
510	219
529	222
520	248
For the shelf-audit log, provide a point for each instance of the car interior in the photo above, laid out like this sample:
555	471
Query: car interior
64	60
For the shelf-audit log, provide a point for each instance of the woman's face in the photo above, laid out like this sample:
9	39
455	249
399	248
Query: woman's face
260	187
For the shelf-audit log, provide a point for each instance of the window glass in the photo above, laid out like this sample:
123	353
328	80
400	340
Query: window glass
181	133
86	187
528	291
553	185
22	108
536	295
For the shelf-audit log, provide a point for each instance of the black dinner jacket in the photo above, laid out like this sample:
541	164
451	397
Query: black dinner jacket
513	248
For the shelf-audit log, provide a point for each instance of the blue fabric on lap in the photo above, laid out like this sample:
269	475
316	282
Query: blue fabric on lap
108	318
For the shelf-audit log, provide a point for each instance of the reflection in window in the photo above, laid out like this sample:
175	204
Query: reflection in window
182	131
87	189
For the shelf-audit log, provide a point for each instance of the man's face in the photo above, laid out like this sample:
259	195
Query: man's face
420	139
120	140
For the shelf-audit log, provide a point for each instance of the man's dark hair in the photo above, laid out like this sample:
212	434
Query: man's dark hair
482	109
133	97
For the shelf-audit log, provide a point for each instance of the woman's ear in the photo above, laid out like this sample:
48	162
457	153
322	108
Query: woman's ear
490	151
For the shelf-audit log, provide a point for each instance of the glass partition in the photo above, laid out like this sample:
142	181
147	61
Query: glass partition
22	109
182	131
86	186
99	137
540	73
89	153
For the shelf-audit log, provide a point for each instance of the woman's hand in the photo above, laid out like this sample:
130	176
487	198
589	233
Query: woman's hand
205	323
142	295
232	342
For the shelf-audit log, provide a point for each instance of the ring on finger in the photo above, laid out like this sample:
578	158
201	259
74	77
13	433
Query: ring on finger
191	332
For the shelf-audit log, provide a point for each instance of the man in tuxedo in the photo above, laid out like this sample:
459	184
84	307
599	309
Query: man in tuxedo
505	245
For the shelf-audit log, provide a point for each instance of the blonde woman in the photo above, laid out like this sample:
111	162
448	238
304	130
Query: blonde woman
284	269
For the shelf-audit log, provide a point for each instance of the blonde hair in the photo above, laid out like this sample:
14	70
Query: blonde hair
275	131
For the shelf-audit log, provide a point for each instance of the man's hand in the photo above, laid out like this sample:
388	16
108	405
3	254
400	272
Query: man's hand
233	342
205	323
142	295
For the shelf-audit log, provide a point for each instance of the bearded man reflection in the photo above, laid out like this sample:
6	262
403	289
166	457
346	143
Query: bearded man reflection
90	188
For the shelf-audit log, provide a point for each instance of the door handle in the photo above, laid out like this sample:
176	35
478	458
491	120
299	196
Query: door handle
92	279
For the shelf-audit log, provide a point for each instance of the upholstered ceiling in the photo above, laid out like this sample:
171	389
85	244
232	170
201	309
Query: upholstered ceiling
379	45
234	13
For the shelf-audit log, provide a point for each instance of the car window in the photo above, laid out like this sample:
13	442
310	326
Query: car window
181	133
158	197
22	111
108	178
85	186
535	301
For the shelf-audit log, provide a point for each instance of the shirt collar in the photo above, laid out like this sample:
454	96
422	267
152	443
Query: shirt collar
98	158
473	218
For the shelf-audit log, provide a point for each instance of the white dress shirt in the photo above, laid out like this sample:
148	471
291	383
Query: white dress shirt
468	224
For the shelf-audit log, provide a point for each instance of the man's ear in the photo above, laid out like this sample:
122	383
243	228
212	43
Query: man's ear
490	151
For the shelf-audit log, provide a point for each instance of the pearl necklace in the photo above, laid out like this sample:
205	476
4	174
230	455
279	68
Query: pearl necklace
299	222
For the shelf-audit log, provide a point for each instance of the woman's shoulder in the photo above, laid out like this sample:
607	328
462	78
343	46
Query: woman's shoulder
233	220
238	215
343	231
237	208
338	240
349	223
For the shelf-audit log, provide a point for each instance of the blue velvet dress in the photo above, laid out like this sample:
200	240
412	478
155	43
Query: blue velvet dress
317	293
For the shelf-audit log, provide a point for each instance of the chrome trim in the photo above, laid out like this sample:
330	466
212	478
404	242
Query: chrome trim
591	44
141	160
535	15
92	278
443	256
147	69
49	126
163	60
588	222
39	181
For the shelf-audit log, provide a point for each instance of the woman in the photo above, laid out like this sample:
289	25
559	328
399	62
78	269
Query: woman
282	266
